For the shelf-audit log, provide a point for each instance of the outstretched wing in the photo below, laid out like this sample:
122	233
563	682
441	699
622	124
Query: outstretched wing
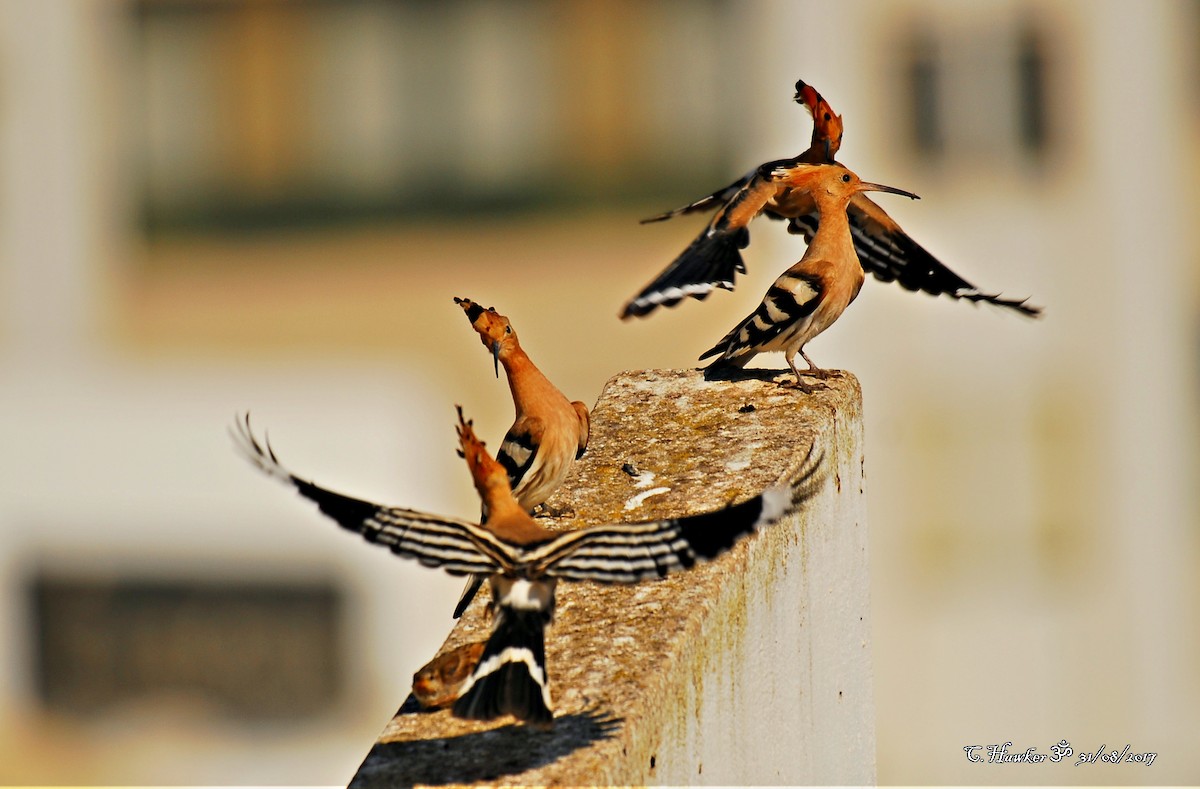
707	203
630	552
891	255
714	259
458	547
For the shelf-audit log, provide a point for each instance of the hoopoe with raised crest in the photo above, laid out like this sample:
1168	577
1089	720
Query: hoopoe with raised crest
524	561
714	259
807	298
549	432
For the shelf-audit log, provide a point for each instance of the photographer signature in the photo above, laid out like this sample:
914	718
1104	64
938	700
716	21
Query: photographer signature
1060	751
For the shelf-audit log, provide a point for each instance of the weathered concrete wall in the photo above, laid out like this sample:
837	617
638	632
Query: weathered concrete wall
753	669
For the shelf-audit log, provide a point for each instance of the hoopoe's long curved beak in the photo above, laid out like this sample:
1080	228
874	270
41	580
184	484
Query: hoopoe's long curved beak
496	356
866	186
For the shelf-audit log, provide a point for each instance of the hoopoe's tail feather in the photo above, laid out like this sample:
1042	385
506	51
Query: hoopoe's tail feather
511	676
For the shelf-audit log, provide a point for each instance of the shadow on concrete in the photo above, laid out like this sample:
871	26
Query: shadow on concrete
763	374
485	756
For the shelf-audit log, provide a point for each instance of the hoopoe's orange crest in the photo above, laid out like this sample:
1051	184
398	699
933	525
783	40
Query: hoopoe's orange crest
494	329
484	468
491	325
827	125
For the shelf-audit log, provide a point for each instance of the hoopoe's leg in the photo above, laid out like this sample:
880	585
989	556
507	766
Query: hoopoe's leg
813	370
799	383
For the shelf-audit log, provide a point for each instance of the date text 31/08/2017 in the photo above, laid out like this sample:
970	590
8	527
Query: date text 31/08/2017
999	754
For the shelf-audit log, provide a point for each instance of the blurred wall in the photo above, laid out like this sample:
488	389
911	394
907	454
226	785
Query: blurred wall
265	205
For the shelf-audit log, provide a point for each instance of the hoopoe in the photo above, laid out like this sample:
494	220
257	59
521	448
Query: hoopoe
439	682
524	561
807	298
549	432
884	249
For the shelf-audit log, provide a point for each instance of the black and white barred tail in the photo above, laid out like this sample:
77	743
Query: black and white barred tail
511	676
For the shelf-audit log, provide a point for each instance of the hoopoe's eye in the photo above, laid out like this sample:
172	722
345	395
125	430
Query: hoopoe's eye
846	178
508	329
828	117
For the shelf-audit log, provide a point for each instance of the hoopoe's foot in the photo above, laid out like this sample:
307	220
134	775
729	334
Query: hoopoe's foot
802	386
817	372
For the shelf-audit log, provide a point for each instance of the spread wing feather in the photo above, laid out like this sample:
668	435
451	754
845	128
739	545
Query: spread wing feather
707	203
891	255
616	554
631	552
459	547
714	259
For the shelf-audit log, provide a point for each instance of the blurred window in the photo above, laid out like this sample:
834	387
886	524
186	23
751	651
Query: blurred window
978	94
926	127
256	113
259	651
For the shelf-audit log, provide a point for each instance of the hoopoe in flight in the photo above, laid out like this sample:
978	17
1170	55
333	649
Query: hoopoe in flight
811	295
884	249
524	561
549	432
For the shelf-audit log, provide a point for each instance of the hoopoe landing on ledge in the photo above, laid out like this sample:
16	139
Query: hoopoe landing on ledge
549	432
811	295
524	561
884	249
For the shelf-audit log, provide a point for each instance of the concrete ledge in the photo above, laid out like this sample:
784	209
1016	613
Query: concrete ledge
751	669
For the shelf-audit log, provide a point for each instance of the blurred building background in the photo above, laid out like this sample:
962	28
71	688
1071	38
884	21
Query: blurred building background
213	206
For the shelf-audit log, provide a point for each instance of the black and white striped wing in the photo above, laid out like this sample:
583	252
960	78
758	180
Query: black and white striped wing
891	255
714	259
791	299
630	552
458	547
518	450
707	203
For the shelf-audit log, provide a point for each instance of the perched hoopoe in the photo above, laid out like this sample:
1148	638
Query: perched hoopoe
524	561
549	432
884	249
811	295
439	682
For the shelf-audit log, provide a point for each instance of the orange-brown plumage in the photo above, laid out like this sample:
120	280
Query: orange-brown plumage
506	517
807	298
439	682
827	125
714	259
548	432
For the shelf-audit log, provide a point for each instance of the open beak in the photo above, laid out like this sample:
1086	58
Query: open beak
496	356
869	187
